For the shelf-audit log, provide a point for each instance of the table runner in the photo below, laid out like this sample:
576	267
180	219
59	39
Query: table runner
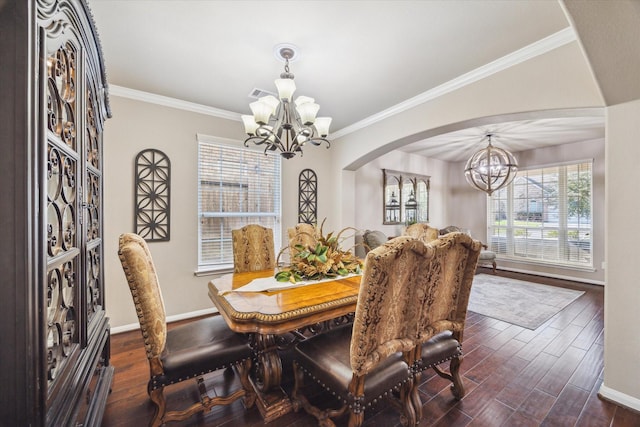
270	284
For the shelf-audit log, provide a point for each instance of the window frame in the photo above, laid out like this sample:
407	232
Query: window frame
205	268
562	229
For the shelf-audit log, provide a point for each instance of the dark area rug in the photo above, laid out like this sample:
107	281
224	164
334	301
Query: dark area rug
518	302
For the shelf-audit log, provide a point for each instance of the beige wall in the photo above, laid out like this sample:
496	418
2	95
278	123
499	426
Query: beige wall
622	292
138	125
369	196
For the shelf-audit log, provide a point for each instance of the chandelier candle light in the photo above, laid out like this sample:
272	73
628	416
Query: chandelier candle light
491	168
283	124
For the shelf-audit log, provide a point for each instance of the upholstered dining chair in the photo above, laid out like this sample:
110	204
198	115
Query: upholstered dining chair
253	248
422	232
371	359
302	234
184	352
487	257
444	300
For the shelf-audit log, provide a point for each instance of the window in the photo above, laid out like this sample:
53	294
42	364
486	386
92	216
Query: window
544	216
236	187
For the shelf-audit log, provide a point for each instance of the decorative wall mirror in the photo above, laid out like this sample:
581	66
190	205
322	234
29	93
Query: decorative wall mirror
405	197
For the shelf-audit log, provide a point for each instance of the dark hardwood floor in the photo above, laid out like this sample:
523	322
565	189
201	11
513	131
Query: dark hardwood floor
513	376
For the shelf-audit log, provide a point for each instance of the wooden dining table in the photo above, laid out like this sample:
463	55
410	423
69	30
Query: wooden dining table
277	320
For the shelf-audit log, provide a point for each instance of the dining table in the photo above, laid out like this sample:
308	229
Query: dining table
277	315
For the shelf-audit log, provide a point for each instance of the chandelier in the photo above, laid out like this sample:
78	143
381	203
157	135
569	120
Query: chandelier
283	124
491	168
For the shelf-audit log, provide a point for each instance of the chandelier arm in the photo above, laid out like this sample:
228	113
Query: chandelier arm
318	141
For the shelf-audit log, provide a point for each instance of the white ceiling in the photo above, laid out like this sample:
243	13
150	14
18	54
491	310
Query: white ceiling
357	58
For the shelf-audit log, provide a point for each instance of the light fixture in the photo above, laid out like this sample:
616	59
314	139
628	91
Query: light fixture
283	124
411	210
491	168
392	209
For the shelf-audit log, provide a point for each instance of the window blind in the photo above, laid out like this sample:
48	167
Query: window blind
544	215
236	187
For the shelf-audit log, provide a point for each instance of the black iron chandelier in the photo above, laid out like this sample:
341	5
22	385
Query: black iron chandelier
283	124
491	168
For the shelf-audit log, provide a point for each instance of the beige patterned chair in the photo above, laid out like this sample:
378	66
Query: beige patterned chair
487	258
253	248
302	234
185	352
422	232
445	299
371	359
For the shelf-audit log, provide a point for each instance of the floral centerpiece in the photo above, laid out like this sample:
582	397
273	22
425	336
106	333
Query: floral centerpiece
323	260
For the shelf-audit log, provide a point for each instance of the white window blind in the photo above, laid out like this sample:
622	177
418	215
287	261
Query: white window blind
236	187
544	216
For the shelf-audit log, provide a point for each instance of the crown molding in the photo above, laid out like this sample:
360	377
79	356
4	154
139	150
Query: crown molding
533	50
152	98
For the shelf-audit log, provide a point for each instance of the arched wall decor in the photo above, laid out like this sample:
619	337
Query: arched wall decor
152	195
308	197
405	197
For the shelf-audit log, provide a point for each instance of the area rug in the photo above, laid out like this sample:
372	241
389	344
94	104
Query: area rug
518	302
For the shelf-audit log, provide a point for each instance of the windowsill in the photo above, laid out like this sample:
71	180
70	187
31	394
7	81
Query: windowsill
588	269
211	271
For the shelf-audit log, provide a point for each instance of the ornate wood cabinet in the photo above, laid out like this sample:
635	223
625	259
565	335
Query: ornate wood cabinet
54	356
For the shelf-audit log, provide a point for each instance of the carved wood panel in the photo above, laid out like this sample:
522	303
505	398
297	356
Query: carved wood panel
64	180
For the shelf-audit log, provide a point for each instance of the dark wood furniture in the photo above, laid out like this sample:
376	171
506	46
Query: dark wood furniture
55	353
277	320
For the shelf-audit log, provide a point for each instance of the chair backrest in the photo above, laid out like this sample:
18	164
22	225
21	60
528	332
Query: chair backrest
302	234
253	248
387	312
143	282
422	232
446	294
450	229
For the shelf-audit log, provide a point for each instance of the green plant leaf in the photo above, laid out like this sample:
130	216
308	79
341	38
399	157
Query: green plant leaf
283	276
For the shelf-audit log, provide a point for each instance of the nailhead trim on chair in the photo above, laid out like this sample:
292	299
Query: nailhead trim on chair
419	367
355	404
156	384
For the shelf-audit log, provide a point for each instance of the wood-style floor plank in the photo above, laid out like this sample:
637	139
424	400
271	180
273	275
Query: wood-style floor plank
513	377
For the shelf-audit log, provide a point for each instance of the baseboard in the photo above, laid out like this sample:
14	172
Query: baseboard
619	398
554	276
174	318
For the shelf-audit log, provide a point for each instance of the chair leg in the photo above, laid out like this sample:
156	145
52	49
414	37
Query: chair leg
411	404
416	402
298	401
494	266
356	419
157	397
249	398
457	388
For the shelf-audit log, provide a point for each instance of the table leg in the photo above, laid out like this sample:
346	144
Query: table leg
272	401
269	366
